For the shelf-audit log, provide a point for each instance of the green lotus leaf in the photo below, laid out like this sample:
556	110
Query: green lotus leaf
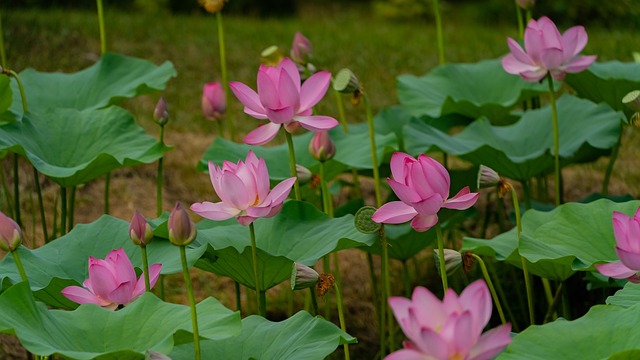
301	336
64	262
73	147
626	297
113	78
300	232
524	149
472	90
5	94
606	330
607	82
91	331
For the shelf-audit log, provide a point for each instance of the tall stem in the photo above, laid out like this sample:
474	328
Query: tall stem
159	179
3	54
63	210
36	180
525	270
192	301
16	189
254	257
443	269
72	202
23	95
406	279
223	71
492	289
107	185
436	12
341	116
292	165
520	22
103	38
336	287
145	268
612	161
238	297
556	140
374	153
16	259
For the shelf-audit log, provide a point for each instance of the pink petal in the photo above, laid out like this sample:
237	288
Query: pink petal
103	281
406	354
551	58
214	211
395	212
423	223
405	193
154	274
400	308
247	97
428	308
292	70
628	258
513	66
124	270
462	200
262	180
436	174
234	192
579	63
317	122
491	343
263	134
314	89
123	294
432	343
280	192
533	41
81	295
573	41
550	35
257	115
518	53
534	76
268	89
429	206
616	270
464	333
245	220
282	115
398	165
477	299
288	91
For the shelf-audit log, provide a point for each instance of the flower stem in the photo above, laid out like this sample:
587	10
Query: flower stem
23	96
16	189
341	116
500	290
71	211
63	210
36	180
374	153
145	268
443	269
192	301
556	140
107	185
436	12
492	289
103	40
525	270
292	165
336	287
406	279
160	176
327	200
385	309
3	54
16	259
238	297
254	257
223	71
612	161
520	22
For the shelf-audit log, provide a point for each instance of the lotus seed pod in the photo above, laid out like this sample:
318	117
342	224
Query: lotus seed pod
346	82
304	175
303	277
632	100
363	220
271	56
452	261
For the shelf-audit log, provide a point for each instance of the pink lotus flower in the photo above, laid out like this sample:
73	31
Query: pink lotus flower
547	52
111	282
283	101
627	232
448	329
214	103
301	49
244	191
422	186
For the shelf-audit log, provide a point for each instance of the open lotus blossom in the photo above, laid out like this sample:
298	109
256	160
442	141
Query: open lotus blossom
627	232
422	185
244	191
282	101
111	282
546	51
448	329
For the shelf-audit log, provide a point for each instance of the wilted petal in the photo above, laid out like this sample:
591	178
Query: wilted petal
247	97
423	223
491	343
263	134
394	212
214	211
462	200
317	122
314	89
616	270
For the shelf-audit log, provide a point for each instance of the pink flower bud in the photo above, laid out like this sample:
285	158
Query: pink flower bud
160	113
214	103
139	230
10	233
301	49
182	230
321	147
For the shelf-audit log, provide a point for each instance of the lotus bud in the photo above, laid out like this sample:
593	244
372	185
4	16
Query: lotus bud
139	230
321	147
212	6
346	82
182	230
301	49
526	4
160	113
271	56
214	102
303	277
10	233
632	100
304	175
487	177
452	261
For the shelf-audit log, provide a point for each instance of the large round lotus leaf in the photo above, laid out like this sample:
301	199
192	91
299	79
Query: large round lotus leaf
472	90
626	297
111	79
524	149
605	331
607	82
300	232
353	150
91	331
64	262
298	337
73	147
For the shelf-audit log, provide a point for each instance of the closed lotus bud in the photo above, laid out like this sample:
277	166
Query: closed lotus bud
304	175
303	277
214	102
139	230
182	230
212	6
301	49
10	233
160	113
632	100
321	147
271	56
346	82
452	261
526	4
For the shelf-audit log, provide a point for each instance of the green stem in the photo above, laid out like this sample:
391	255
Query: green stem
223	71
406	279
380	306
238	297
356	182
327	199
314	300
501	294
7	195
443	269
107	185
16	259
525	270
16	189
528	15
547	290
161	287
63	210
145	268
103	39
612	161
23	96
554	304
526	189
220	127
292	165
160	176
3	54
192	301
341	317
374	153
386	289
436	12
492	289
72	202
341	115
520	22
36	180
262	299
556	140
254	257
